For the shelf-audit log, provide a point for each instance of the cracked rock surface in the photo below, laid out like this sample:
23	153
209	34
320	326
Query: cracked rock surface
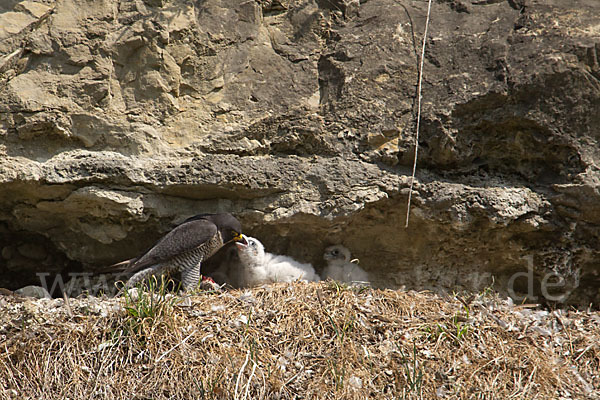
120	119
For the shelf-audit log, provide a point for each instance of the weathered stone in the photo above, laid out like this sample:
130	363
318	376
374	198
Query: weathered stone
118	121
33	8
14	22
7	252
33	251
33	291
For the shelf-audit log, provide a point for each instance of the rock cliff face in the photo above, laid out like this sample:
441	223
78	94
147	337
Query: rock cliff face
120	119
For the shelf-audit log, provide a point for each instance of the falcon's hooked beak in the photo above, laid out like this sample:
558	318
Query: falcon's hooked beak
239	238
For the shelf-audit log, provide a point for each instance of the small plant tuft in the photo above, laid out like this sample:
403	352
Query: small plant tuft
413	374
145	309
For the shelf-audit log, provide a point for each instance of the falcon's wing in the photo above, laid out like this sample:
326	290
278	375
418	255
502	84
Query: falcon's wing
184	237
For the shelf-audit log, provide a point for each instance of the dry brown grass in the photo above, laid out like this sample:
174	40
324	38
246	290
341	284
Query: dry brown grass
316	340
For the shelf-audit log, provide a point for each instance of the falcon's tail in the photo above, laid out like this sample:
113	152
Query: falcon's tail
122	266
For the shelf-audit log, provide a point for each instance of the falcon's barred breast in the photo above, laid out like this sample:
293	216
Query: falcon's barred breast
185	247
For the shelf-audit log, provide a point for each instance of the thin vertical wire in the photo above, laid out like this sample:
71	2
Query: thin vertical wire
414	170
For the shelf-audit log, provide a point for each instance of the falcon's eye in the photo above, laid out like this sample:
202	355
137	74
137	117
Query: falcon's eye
335	252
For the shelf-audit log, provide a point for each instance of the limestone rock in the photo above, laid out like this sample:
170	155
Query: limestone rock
33	291
119	120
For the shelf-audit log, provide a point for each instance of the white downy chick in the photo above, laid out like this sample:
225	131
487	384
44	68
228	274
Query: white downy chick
340	268
260	267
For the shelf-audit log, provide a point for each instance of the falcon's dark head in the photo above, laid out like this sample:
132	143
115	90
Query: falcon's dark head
229	227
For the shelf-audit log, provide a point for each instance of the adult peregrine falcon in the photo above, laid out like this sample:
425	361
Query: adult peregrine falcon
184	248
340	268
